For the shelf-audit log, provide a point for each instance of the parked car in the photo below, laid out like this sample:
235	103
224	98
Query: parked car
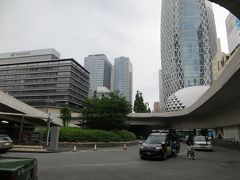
202	143
6	143
157	145
18	168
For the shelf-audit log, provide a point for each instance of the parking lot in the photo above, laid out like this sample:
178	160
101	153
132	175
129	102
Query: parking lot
118	164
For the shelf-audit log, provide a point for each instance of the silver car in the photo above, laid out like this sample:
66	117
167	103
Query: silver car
202	143
6	143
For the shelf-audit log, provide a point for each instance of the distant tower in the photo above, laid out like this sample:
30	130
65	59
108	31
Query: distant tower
100	71
123	75
188	44
233	32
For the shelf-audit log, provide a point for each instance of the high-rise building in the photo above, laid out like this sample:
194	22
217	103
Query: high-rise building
219	62
156	107
123	75
40	79
161	96
188	44
100	71
233	32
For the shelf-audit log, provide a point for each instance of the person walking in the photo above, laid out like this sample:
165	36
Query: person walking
174	147
190	147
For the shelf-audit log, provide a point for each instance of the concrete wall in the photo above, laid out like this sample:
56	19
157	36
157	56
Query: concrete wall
232	133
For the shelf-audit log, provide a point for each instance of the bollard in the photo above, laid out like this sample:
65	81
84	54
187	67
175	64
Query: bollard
74	148
95	147
125	146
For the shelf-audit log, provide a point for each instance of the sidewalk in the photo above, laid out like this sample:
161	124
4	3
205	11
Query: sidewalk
68	145
29	148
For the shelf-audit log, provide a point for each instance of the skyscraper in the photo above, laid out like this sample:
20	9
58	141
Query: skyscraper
123	74
100	71
188	44
233	32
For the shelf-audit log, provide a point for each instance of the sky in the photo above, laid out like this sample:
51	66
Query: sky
78	28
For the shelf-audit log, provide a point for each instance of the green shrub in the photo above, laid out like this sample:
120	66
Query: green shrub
69	134
94	135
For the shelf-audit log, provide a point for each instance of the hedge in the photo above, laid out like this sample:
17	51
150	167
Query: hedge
68	134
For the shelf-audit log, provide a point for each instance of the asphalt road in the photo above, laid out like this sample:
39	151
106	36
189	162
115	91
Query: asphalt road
118	164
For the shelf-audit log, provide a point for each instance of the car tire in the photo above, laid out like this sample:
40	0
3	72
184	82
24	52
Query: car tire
164	156
142	157
3	150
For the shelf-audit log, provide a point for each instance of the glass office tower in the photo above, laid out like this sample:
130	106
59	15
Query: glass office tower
100	71
188	44
123	75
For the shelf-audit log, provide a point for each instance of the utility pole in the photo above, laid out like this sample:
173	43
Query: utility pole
48	128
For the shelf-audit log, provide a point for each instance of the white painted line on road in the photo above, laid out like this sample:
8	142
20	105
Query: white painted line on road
102	164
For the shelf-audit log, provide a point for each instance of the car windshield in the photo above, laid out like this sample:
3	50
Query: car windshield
200	138
156	139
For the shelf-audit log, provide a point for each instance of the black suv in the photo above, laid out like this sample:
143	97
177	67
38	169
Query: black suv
159	145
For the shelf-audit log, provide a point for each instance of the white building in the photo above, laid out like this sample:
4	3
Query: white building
233	32
123	75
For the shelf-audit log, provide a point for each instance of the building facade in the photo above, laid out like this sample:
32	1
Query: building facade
123	77
219	62
100	71
42	80
156	107
161	95
233	32
188	44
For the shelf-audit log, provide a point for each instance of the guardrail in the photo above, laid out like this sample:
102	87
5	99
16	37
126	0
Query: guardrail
231	144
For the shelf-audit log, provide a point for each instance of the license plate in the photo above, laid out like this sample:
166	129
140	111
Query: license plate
7	144
148	153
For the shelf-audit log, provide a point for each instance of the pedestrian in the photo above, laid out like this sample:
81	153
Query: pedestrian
190	147
174	147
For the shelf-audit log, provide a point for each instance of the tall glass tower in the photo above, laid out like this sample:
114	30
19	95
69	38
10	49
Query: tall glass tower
123	74
100	71
188	44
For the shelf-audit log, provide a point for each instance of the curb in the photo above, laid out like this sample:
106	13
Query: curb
34	149
99	144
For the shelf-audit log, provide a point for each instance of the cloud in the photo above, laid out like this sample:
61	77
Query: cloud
77	28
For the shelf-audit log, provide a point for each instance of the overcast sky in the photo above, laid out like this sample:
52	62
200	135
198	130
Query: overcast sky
77	28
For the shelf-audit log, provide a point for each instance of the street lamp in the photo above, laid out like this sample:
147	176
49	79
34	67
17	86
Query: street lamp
49	120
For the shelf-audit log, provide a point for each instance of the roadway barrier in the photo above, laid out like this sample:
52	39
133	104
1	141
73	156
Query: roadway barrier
231	144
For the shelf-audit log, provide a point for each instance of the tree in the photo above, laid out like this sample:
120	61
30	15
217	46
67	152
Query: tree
139	106
65	115
107	113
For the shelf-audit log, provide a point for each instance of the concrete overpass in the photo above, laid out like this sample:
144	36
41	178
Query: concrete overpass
15	111
218	107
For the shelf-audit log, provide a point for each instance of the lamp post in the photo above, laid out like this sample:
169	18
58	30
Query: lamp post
48	128
48	123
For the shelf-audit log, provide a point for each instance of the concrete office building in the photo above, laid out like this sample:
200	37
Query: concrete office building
100	69
233	32
188	45
161	96
156	107
42	80
123	75
219	62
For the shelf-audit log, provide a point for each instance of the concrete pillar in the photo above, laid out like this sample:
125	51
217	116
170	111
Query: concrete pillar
54	136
